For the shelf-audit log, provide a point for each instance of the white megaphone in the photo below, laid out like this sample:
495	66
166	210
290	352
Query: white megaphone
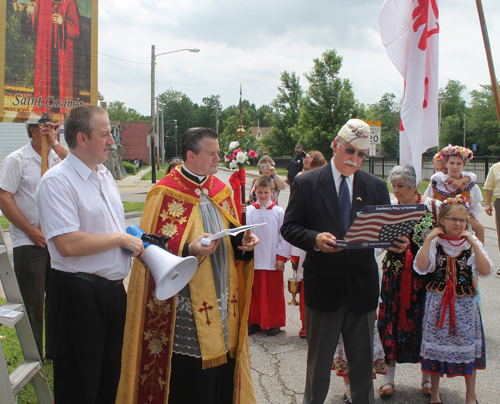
171	272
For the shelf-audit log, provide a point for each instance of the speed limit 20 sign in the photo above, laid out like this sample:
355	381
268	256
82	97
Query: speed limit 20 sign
375	131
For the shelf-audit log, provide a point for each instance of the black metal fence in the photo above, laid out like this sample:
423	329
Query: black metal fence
382	166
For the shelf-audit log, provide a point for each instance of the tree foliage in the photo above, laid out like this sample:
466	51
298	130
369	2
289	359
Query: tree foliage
328	104
284	117
452	109
482	122
387	110
117	111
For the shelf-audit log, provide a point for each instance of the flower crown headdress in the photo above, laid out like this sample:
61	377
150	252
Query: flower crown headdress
436	157
463	152
459	199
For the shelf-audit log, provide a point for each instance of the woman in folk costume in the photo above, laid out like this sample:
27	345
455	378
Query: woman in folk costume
402	293
267	307
193	347
455	181
452	328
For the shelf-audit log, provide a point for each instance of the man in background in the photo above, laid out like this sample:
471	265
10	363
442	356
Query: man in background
19	175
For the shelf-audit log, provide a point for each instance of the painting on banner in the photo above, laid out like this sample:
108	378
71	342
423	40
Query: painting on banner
49	65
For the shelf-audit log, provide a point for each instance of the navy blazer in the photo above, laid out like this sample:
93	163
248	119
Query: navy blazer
329	278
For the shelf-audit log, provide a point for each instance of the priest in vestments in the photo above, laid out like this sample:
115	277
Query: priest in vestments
193	347
56	25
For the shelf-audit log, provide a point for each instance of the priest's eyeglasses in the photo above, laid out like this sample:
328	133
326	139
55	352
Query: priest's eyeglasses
455	220
350	151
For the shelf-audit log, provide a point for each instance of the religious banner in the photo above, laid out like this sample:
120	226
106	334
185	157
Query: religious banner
410	33
48	64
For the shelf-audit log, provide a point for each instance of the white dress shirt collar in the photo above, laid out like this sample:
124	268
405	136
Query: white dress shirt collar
337	176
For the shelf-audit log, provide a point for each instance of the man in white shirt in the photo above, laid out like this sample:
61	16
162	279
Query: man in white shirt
19	175
84	224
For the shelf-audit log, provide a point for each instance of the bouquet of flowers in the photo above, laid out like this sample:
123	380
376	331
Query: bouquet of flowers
236	157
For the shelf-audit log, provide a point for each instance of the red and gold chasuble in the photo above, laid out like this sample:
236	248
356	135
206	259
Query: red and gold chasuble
172	209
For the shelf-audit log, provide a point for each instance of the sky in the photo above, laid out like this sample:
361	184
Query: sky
252	42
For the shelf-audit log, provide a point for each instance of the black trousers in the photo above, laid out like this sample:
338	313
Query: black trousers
88	327
189	383
32	268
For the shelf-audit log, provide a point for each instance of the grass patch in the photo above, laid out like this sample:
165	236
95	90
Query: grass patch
14	357
159	173
133	206
4	222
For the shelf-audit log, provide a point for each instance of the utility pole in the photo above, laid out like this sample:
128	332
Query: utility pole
217	119
152	143
162	136
175	137
158	128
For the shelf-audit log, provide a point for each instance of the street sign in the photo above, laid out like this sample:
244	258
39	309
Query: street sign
375	131
372	151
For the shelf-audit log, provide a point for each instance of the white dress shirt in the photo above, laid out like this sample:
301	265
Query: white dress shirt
337	176
68	199
19	174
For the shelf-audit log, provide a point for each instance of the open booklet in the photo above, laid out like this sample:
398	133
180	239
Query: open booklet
228	232
378	226
9	317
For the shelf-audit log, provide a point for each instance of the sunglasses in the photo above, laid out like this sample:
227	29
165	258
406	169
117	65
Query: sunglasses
351	151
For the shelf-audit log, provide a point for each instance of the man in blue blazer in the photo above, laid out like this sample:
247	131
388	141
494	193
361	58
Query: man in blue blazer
341	286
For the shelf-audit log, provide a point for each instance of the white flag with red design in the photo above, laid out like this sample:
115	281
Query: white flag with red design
410	33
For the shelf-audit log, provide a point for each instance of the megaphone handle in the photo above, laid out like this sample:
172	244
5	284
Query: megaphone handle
205	242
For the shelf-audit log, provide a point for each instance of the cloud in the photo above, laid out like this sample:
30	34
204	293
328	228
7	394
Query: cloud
253	42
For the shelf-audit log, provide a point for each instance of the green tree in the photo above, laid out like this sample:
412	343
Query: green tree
387	110
482	122
117	111
285	116
176	106
452	109
206	113
329	103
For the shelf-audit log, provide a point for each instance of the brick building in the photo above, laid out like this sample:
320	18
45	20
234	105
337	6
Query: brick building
135	141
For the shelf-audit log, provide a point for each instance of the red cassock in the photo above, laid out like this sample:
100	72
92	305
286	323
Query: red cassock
54	60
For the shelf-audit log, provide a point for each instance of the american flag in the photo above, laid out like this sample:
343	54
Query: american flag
378	226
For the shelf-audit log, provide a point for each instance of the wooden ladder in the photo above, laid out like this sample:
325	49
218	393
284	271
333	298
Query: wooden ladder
32	367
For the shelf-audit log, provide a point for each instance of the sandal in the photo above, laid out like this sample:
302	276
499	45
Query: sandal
387	392
426	390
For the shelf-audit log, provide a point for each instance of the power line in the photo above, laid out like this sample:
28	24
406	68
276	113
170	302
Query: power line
123	60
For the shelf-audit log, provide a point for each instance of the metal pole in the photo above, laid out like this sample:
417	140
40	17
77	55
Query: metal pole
162	136
486	40
158	158
175	138
153	168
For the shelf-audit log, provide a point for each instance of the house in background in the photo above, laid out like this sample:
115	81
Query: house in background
134	141
259	131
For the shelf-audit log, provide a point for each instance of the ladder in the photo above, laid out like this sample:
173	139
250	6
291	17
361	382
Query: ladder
32	366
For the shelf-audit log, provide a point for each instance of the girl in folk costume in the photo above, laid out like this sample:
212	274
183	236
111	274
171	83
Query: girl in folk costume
267	306
454	181
452	336
267	168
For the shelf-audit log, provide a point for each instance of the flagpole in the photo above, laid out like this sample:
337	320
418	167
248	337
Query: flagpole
486	40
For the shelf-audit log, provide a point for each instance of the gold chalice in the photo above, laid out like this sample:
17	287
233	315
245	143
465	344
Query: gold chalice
294	287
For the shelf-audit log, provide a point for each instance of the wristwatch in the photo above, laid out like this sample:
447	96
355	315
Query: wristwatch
306	168
55	144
